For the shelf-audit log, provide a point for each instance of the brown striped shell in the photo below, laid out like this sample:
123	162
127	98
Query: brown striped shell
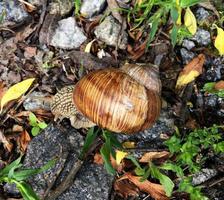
114	99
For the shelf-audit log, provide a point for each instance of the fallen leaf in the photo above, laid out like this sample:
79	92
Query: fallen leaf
219	44
30	52
98	159
17	128
16	91
219	85
24	140
6	144
29	7
149	156
128	145
192	70
2	90
88	46
190	21
114	7
155	190
120	155
125	188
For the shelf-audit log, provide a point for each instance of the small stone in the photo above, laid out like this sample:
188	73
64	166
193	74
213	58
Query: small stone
68	35
91	8
202	37
14	12
188	44
203	175
211	101
37	100
186	55
61	7
201	14
109	32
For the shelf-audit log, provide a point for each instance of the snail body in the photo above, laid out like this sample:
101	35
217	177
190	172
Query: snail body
123	100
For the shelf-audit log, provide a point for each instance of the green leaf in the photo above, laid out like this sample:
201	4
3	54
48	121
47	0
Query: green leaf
174	35
219	148
209	87
77	6
187	3
105	152
134	161
153	30
33	119
163	179
90	137
42	125
14	164
174	14
35	130
173	167
174	144
26	191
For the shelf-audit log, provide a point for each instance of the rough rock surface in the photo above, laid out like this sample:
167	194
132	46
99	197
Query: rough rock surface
109	32
90	8
68	35
202	37
186	55
61	7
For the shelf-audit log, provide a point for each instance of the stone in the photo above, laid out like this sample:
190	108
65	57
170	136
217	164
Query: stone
109	31
92	182
37	100
14	13
202	14
186	55
67	35
203	175
90	8
202	37
188	44
61	7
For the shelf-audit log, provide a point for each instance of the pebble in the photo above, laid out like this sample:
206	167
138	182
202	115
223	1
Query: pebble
91	8
109	31
68	35
188	44
202	14
202	37
61	7
186	55
203	175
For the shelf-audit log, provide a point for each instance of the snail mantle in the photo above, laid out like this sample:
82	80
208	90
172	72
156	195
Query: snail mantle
124	100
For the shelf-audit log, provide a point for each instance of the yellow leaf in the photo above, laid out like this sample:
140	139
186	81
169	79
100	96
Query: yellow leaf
179	10
16	91
88	46
128	145
219	41
120	155
190	21
185	79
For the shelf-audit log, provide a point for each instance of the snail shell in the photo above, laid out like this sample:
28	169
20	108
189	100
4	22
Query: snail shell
119	100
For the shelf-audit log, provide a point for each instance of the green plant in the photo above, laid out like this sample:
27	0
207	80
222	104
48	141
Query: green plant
209	87
36	124
77	4
13	173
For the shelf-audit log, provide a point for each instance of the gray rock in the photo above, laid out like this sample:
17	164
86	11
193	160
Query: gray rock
52	143
203	175
36	2
14	12
109	32
151	138
92	182
186	55
202	37
188	44
68	35
37	100
201	14
90	8
61	7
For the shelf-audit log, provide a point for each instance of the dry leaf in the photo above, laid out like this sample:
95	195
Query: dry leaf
23	140
7	144
128	145
88	46
29	7
125	188
98	159
2	90
190	21
155	190
30	52
114	7
219	44
192	70
17	128
219	85
16	91
149	156
120	155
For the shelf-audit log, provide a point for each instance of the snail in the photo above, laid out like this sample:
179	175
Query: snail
124	100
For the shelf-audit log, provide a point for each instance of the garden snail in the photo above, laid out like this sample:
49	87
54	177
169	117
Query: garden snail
123	100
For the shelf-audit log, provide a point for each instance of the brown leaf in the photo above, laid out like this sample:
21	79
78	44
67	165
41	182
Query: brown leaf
17	128
125	188
24	140
114	7
2	90
149	156
138	51
7	144
155	190
98	159
219	85
192	70
30	52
